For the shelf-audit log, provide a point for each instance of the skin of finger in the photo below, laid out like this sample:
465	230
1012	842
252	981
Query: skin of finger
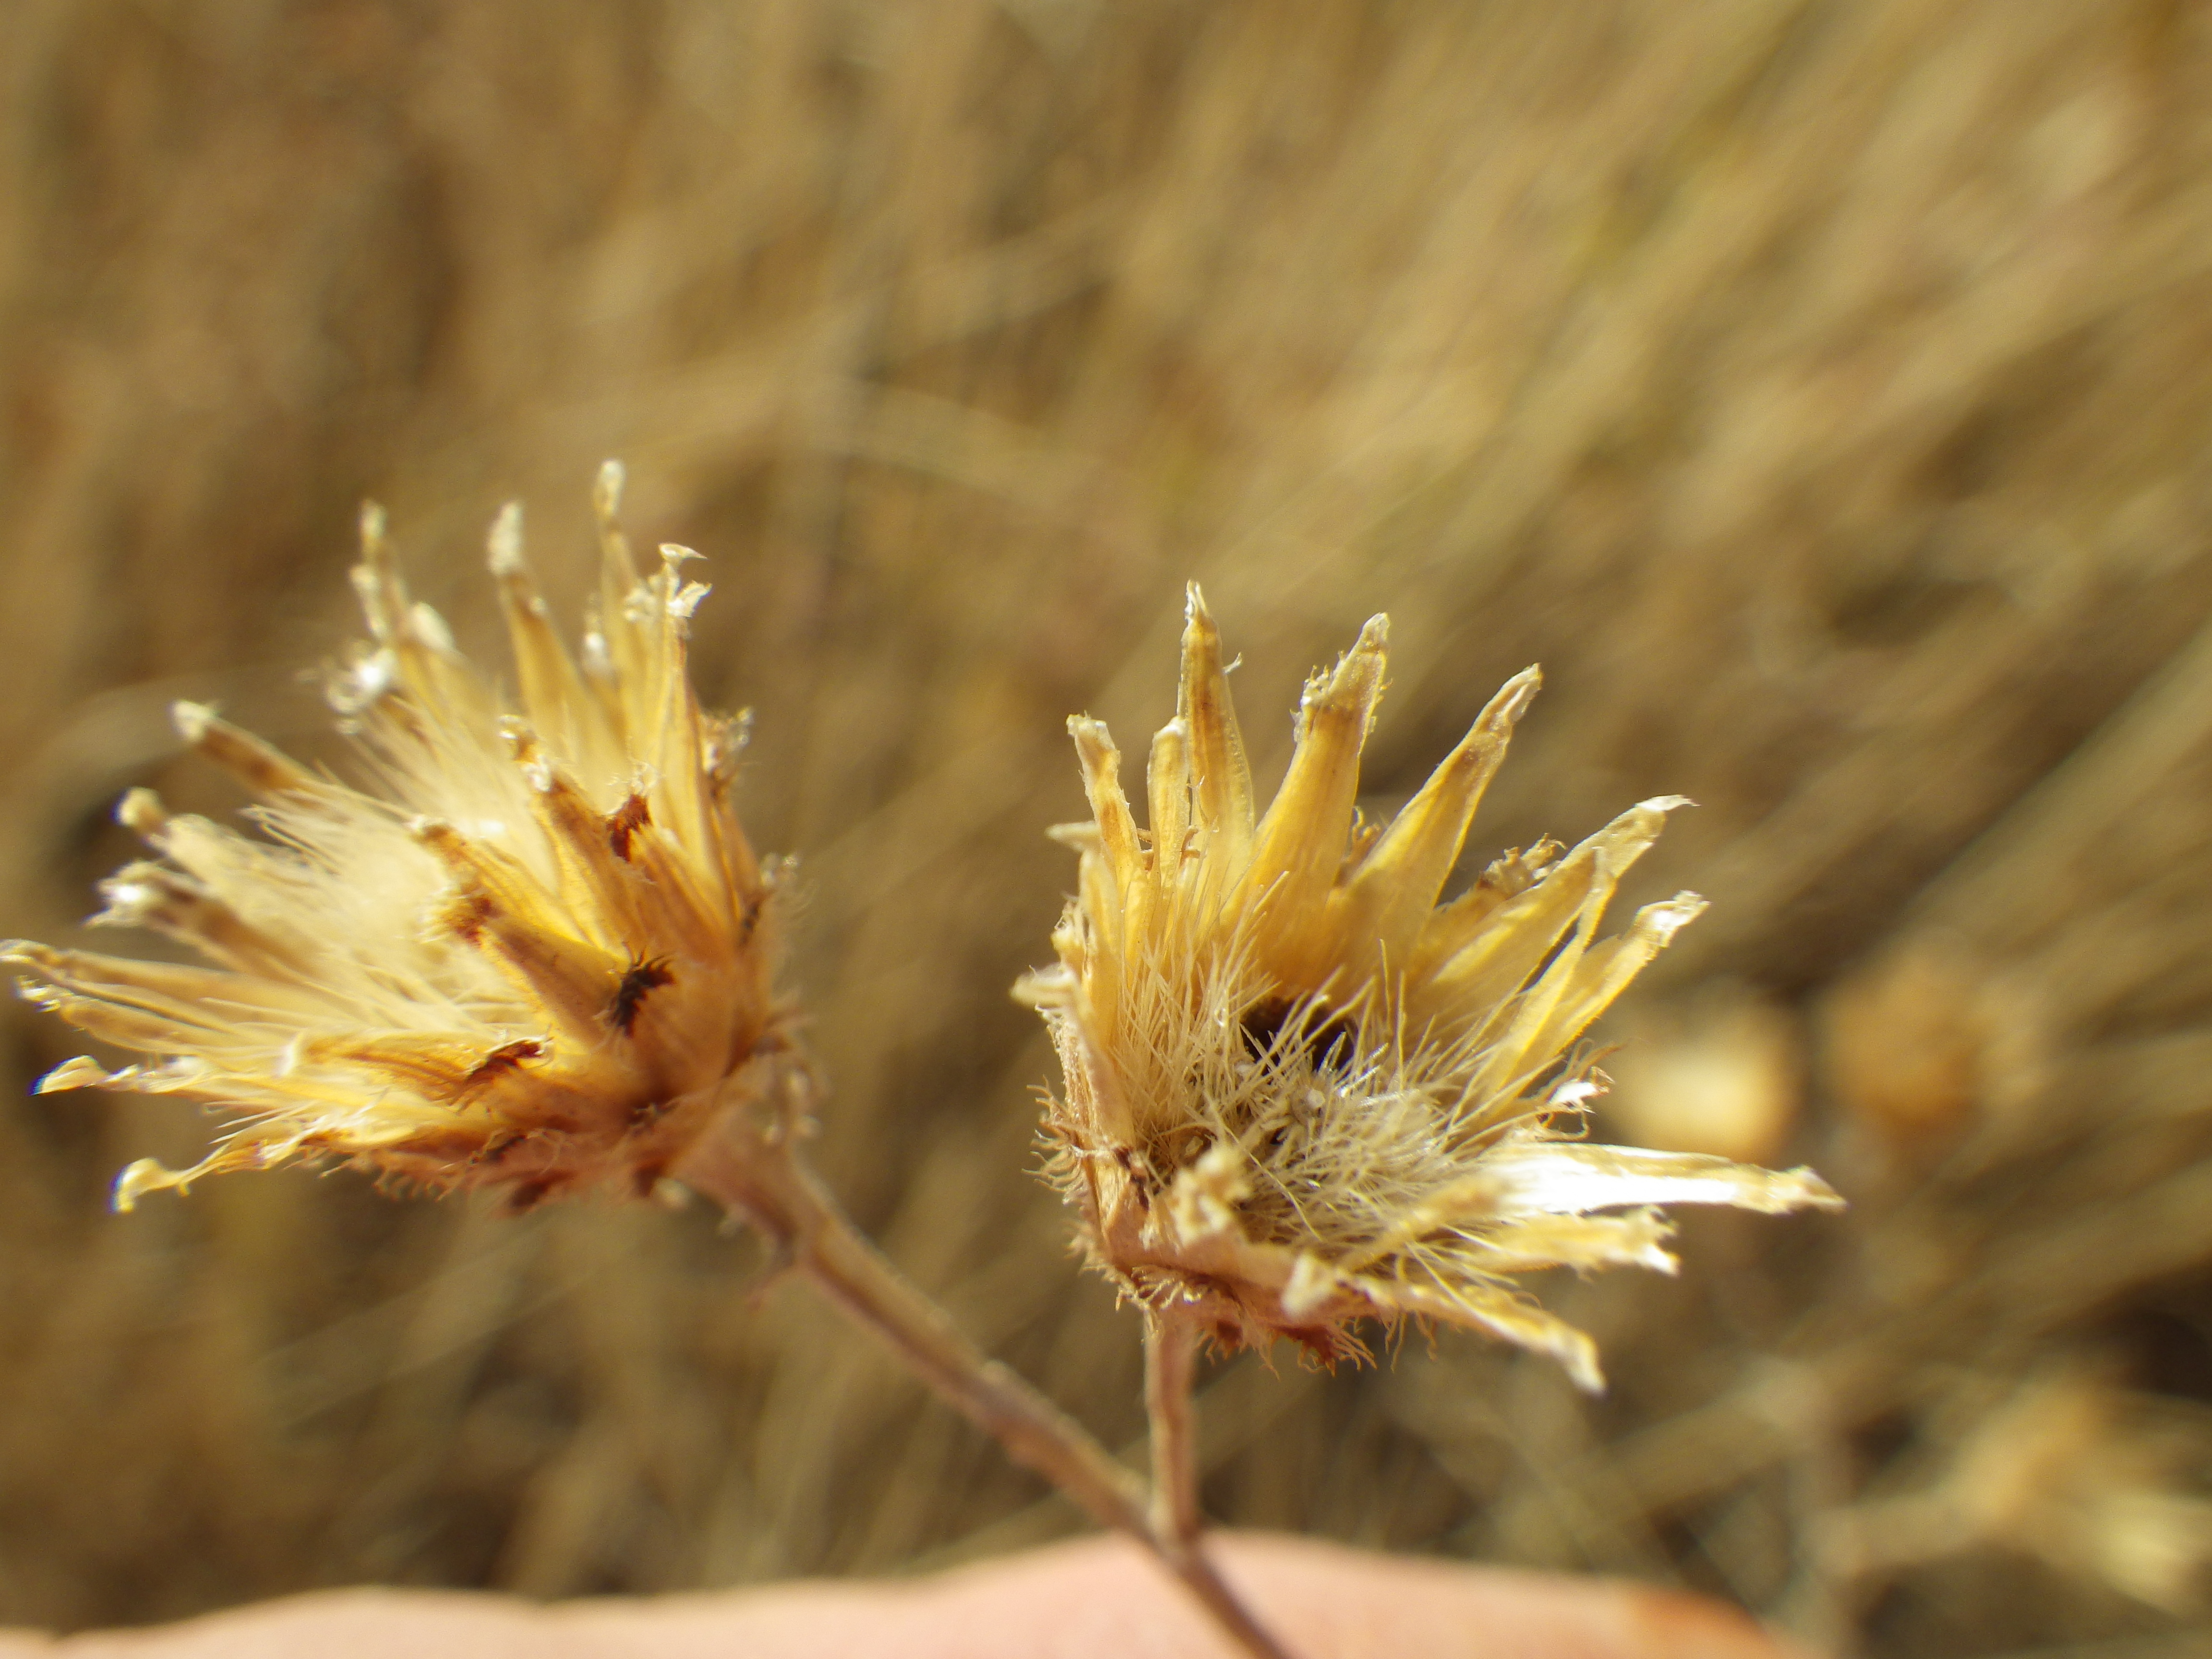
1088	1600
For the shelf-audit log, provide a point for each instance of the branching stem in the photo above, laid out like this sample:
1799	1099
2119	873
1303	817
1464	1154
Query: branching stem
760	1176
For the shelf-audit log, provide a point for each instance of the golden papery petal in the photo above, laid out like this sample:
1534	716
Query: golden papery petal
261	766
554	698
1497	1312
1378	915
1221	778
1474	987
1109	805
1532	1176
1299	846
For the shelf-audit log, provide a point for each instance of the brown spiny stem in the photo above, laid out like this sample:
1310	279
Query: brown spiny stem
760	1175
1170	1359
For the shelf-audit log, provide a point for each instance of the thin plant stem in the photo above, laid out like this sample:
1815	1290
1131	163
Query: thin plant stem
1171	1361
760	1175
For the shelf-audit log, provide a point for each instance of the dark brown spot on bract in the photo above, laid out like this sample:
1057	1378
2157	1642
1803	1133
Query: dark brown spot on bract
467	913
1140	1172
624	823
507	1057
639	980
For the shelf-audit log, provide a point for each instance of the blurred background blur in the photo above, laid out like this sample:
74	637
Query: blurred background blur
1821	389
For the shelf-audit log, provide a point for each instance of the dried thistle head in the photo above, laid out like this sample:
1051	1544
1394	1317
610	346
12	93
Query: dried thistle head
538	955
1298	1091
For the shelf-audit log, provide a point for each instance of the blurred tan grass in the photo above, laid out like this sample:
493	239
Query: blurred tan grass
1818	390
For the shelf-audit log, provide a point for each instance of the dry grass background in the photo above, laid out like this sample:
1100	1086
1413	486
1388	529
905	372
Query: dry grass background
1822	389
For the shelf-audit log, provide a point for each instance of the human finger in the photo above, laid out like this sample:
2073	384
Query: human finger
1094	1599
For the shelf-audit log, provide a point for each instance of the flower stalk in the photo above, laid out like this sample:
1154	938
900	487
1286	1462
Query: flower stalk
757	1173
1170	1364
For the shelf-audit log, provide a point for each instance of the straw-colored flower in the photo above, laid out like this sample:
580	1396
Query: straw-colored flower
537	955
1299	1092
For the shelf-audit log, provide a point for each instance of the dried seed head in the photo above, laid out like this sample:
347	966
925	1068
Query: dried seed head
1929	1039
1299	1092
2065	1468
538	957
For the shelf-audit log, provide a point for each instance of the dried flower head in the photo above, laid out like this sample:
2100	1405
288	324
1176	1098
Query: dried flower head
2067	1468
1299	1092
538	956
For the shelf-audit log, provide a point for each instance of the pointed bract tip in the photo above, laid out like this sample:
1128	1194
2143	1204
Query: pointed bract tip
1197	619
1580	1360
607	491
1671	917
1804	1188
1513	699
141	811
504	545
145	1177
372	525
82	1071
1081	838
1357	677
428	629
1045	987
